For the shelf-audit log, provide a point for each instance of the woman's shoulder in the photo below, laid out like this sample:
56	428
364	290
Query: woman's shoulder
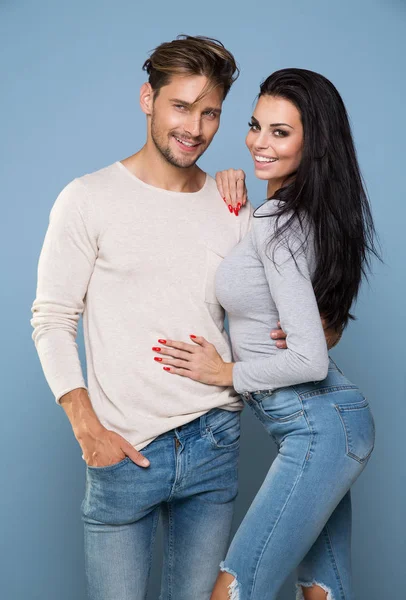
293	230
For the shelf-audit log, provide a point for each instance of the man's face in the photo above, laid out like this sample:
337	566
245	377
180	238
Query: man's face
180	128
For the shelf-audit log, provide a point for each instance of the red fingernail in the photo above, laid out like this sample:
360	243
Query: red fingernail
162	341
239	206
236	213
158	358
225	200
230	208
193	336
166	368
156	349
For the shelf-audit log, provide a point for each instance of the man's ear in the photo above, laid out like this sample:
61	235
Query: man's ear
146	98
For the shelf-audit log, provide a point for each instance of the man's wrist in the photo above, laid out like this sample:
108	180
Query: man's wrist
81	415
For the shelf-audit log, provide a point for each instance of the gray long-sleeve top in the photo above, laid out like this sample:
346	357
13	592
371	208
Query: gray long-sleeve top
259	283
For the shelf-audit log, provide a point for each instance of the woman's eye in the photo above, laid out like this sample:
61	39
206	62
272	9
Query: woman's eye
280	133
253	126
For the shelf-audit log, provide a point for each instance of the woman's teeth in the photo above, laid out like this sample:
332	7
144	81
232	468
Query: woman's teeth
264	159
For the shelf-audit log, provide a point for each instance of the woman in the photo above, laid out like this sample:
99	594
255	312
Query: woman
304	256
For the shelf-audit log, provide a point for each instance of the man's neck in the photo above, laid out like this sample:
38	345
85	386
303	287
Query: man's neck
152	168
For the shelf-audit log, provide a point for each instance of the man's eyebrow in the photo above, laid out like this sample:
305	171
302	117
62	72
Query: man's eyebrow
190	104
178	101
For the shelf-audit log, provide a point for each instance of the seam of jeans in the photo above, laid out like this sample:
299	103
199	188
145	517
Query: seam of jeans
330	550
153	535
177	473
252	588
287	499
170	551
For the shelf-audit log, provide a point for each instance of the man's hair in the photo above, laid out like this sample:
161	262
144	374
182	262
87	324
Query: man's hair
188	55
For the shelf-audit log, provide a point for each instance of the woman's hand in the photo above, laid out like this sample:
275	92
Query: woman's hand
199	361
231	185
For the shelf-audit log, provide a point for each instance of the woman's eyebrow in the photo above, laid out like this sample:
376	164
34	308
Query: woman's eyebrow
280	124
273	124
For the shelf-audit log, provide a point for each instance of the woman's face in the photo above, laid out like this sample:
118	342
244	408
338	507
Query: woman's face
275	139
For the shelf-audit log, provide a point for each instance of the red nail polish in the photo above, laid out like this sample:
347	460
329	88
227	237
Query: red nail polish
162	341
230	208
239	206
236	213
156	349
166	368
158	358
193	337
225	200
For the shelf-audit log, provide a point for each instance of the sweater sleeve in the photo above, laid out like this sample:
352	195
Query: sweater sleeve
290	285
65	267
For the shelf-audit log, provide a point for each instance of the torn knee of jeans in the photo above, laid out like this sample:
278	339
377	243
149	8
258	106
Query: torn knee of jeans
300	584
234	586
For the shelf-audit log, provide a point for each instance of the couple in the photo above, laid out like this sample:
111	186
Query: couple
138	249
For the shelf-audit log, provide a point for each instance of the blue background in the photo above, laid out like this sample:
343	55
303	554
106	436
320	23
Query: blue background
70	75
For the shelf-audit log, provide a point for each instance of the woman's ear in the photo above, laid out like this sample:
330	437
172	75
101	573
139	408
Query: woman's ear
146	98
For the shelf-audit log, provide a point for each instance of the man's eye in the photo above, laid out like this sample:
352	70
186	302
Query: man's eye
181	106
253	126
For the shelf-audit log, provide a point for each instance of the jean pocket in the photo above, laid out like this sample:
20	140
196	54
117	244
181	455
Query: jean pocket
359	428
280	406
109	467
224	431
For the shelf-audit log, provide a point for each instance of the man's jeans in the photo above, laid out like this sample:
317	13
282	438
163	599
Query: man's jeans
192	483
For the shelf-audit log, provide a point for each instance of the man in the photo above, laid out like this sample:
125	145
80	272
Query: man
134	247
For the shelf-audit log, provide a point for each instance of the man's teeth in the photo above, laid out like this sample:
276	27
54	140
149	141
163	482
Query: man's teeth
264	159
189	144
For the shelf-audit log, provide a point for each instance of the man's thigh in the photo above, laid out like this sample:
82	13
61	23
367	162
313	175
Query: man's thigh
120	513
197	519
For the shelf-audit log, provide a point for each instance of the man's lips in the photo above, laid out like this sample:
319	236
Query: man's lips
186	145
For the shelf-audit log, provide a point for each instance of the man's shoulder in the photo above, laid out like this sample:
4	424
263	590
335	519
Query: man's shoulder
100	178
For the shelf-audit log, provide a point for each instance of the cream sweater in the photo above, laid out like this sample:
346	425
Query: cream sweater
139	263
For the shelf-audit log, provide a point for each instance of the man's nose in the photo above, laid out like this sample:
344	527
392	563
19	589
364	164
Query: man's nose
193	126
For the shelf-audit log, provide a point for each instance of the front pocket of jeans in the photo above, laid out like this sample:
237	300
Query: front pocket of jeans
280	406
359	429
109	467
225	432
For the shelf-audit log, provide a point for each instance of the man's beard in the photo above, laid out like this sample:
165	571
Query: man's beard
162	145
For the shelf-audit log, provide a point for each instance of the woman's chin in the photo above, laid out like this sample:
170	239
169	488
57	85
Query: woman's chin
262	174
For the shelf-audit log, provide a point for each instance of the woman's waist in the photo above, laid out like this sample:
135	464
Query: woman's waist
335	381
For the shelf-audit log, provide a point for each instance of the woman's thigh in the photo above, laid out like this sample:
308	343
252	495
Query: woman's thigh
324	434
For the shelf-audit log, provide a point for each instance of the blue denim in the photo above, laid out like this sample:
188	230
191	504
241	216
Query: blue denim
301	516
192	482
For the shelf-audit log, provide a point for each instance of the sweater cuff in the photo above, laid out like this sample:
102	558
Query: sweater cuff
238	378
59	395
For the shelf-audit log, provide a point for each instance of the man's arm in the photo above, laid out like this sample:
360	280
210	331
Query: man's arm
100	446
65	267
333	336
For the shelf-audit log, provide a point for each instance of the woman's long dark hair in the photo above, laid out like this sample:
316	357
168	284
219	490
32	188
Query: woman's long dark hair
328	190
